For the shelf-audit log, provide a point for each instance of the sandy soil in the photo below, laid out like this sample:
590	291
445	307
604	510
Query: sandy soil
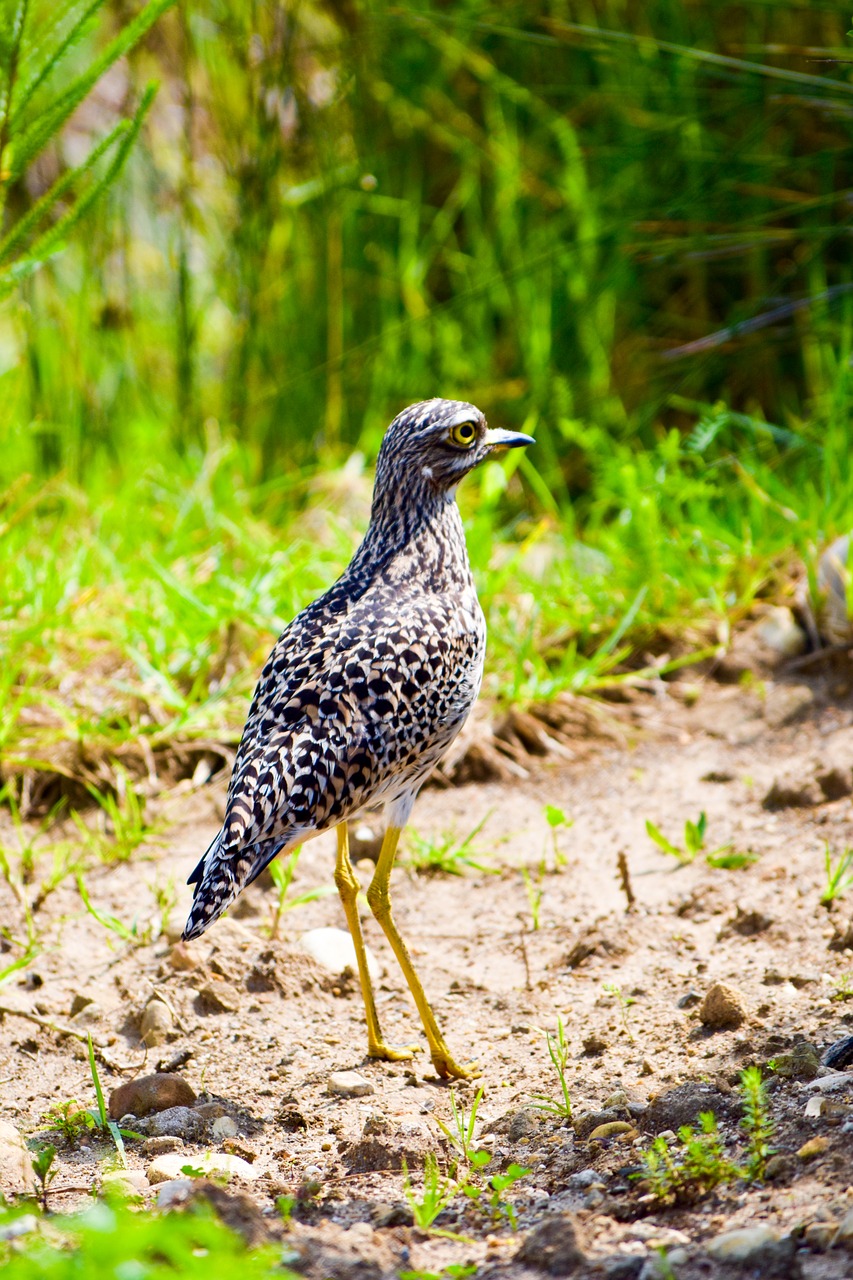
258	1026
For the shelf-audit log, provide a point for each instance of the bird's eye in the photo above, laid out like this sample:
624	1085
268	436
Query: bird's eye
463	435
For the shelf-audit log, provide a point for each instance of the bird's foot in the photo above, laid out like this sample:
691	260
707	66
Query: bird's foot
449	1069
390	1053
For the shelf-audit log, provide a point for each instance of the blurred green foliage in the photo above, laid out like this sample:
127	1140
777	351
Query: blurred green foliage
337	209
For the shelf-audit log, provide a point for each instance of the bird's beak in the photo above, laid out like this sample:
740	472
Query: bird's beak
498	439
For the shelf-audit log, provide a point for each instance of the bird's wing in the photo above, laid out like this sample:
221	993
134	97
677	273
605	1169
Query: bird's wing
338	710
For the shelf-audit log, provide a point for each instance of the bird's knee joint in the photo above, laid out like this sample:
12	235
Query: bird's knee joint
347	886
379	902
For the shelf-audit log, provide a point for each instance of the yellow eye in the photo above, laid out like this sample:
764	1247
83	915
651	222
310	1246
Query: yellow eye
463	435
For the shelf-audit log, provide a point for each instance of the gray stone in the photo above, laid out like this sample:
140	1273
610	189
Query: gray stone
844	1235
161	1145
349	1084
801	1063
219	997
684	1104
553	1246
178	1122
759	1248
173	1192
334	951
224	1127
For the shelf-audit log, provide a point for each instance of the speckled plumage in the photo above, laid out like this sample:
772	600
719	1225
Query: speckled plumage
368	686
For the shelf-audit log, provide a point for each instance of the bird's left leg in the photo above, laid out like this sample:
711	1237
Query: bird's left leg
379	898
348	888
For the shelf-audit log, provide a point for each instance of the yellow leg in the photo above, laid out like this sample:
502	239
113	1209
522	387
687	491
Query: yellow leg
348	888
378	896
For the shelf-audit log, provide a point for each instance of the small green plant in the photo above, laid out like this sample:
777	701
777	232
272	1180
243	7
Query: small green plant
558	1052
99	1115
461	1135
694	843
281	876
127	933
625	1002
843	987
44	1171
436	1193
558	821
69	1118
701	1165
534	893
445	855
839	876
123	818
491	1196
757	1122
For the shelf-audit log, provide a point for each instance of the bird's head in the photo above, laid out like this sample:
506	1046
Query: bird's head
436	443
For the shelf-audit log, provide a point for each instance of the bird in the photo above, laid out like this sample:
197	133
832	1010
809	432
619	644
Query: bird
363	693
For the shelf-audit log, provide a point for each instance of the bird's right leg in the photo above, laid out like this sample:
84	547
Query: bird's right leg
348	888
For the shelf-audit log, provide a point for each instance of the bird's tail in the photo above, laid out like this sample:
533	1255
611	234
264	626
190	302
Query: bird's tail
220	876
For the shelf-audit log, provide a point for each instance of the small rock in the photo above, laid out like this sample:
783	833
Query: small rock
19	1227
79	1001
778	1166
802	1063
842	938
161	1145
181	958
818	1236
130	1184
89	1015
624	1266
760	1248
213	1163
349	1084
392	1215
840	1054
814	1147
210	1110
586	1122
523	1125
611	1130
593	1045
156	1024
553	1246
832	1082
815	1108
684	1104
723	1006
224	1128
333	949
147	1094
585	1178
16	1168
780	632
174	1192
844	1235
219	997
177	1122
689	1000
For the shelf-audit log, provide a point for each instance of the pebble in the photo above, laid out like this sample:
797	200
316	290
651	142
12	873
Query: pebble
780	631
147	1094
178	1122
611	1130
844	1235
758	1247
553	1246
585	1178
161	1145
16	1170
586	1122
173	1192
840	1054
832	1082
820	1235
723	1006
224	1128
624	1266
210	1110
814	1147
333	949
349	1084
802	1063
181	958
19	1227
219	997
128	1183
157	1022
212	1163
815	1107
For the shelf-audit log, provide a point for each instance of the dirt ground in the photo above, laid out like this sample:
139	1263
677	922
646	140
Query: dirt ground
256	1026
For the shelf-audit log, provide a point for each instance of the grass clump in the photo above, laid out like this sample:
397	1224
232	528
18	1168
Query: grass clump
723	857
558	1052
839	875
445	854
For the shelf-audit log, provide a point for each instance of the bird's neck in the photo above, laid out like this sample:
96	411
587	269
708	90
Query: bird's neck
418	538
